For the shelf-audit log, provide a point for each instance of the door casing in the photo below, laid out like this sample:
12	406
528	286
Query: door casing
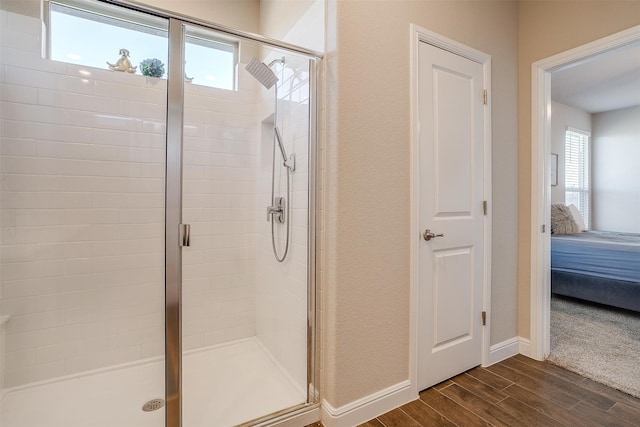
540	267
417	36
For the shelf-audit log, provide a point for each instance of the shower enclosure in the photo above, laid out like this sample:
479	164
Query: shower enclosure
142	283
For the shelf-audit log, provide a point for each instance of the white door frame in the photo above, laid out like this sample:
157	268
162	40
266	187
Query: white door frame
540	278
418	35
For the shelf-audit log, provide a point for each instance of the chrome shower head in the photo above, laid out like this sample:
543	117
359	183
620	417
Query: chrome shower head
262	72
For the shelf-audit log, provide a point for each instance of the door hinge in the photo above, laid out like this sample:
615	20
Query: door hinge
484	318
484	97
543	228
484	207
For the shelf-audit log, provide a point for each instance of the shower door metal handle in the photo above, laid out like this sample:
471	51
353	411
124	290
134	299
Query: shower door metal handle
185	235
428	235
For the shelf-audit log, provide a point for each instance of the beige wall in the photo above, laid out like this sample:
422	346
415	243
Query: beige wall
545	29
299	22
22	7
277	17
366	290
238	14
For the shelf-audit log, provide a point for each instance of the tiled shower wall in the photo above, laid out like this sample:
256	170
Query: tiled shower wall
219	202
82	212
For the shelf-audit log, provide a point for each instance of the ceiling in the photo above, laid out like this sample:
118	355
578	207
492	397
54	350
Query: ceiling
608	81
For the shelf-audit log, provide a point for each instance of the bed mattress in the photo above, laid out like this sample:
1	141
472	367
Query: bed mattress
603	254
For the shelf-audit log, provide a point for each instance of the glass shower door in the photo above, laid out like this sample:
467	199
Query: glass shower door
82	172
245	315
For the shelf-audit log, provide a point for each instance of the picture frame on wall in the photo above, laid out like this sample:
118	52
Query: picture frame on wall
554	170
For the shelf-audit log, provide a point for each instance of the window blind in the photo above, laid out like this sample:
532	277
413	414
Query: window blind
576	171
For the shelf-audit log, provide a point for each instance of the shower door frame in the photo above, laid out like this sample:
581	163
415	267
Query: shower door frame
173	221
173	210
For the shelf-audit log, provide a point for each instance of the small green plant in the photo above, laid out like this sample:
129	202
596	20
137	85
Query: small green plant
152	68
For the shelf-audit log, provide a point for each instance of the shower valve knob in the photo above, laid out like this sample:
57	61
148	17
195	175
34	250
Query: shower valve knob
272	210
276	211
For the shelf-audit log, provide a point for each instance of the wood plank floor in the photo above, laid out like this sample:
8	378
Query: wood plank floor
516	392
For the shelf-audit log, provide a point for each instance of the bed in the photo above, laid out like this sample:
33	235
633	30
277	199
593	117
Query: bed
597	266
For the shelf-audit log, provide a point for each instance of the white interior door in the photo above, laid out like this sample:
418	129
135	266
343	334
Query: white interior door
451	194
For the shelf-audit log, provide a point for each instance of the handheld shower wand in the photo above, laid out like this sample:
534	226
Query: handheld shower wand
288	162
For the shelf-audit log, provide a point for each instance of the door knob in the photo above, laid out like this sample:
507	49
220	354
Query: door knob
428	235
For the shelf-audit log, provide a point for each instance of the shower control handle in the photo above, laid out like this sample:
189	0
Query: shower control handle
428	235
276	211
272	210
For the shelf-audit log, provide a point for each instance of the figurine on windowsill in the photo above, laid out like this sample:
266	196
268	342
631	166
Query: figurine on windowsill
123	64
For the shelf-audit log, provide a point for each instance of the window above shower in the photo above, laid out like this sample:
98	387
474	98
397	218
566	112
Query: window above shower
94	34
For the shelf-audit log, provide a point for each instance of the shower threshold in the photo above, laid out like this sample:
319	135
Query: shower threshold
223	386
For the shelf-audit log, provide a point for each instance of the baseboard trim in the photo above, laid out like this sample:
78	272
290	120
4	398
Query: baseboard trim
369	407
508	348
525	347
503	350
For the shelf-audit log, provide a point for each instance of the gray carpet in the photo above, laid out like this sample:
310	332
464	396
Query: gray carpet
597	342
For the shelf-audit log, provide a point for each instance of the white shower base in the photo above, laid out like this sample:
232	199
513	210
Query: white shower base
222	386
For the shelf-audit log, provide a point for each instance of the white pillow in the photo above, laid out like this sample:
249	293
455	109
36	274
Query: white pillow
562	220
575	213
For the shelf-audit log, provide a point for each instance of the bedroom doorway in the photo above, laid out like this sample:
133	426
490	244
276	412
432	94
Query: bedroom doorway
540	296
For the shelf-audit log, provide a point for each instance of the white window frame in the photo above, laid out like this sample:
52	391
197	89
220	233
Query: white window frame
574	137
203	38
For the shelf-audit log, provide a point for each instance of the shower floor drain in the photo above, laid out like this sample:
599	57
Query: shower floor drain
153	405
